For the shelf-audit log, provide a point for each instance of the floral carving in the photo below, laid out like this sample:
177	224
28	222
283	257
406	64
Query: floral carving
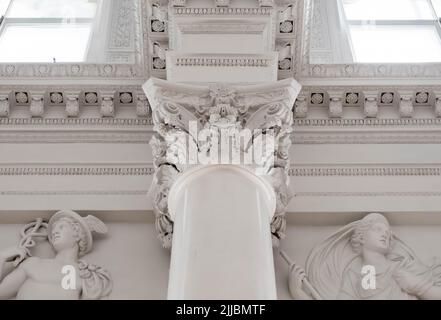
265	108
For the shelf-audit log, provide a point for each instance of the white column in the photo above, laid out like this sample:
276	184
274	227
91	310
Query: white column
222	238
221	219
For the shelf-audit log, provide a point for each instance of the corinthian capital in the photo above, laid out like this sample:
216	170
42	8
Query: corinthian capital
221	124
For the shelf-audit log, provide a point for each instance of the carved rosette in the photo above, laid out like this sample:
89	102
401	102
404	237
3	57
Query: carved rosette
181	112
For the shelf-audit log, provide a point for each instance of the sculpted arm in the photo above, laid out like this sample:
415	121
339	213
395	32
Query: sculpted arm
10	284
422	288
296	277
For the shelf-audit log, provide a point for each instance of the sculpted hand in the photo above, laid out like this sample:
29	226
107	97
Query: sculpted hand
296	277
14	254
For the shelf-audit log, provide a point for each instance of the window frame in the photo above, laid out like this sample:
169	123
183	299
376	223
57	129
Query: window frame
41	21
347	23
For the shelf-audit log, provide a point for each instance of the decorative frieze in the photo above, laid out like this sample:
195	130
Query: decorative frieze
332	270
77	171
96	122
73	100
370	101
149	170
221	11
364	171
222	62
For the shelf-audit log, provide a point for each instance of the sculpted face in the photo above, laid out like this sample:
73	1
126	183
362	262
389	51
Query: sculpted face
377	238
63	236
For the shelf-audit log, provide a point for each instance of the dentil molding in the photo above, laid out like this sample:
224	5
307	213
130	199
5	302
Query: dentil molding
149	170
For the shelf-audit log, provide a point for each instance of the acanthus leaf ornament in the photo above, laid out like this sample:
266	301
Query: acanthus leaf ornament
179	111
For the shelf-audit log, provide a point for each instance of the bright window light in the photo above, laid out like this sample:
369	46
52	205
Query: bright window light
393	31
46	30
3	6
396	44
36	43
387	9
437	6
52	9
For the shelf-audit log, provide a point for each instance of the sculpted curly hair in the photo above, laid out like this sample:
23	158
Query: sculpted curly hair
78	231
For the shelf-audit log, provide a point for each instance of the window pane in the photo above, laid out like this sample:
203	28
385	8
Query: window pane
387	9
437	6
53	9
37	43
3	7
391	44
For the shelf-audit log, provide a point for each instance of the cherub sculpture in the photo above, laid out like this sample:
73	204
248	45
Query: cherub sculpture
334	268
32	278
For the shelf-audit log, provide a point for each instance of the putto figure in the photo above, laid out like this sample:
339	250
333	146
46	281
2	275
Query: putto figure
341	266
63	277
